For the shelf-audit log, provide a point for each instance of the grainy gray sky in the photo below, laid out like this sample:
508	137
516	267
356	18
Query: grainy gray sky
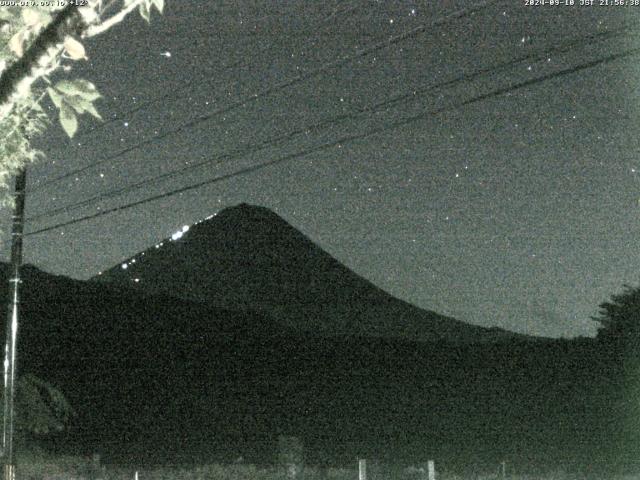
519	210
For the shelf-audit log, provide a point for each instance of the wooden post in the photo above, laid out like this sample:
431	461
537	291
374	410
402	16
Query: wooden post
504	470
432	470
96	467
291	456
362	469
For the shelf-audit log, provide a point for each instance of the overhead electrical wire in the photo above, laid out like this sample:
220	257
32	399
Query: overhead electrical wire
350	138
280	86
184	90
274	141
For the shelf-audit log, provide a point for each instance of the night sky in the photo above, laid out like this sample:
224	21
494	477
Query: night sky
518	210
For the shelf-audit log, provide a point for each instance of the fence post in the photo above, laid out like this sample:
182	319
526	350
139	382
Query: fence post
504	470
95	468
362	469
432	470
291	453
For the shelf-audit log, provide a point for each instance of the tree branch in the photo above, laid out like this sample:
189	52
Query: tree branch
16	80
94	30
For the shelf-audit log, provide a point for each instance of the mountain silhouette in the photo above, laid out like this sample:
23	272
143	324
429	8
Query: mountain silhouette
247	257
240	329
142	370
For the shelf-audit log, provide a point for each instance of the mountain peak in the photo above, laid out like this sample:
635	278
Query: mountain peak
249	233
247	209
245	216
248	257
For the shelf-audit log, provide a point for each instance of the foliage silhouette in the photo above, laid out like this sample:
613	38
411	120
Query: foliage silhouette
619	321
41	409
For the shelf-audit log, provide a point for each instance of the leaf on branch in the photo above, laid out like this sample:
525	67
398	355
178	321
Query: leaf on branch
79	87
74	48
81	105
91	109
35	107
77	103
12	143
8	13
144	11
68	119
30	17
56	98
15	44
159	4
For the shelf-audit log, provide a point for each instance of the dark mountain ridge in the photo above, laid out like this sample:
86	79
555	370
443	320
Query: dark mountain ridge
159	379
162	370
247	257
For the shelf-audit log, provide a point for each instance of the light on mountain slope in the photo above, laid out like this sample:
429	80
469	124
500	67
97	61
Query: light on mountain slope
180	233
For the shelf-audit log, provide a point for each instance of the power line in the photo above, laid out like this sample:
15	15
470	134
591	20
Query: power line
256	147
282	85
350	138
184	87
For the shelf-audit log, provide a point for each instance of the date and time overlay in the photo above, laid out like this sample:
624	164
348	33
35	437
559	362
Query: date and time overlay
528	3
582	3
42	3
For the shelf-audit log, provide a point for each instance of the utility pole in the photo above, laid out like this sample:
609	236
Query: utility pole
11	331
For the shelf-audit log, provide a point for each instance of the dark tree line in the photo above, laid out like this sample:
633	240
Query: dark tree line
619	320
